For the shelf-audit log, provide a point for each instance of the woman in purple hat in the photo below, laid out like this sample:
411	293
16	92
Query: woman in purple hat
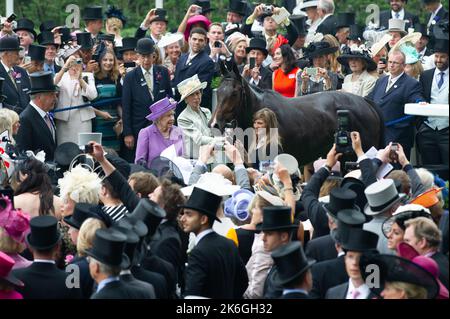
155	138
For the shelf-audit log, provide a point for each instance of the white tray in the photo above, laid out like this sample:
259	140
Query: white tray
426	109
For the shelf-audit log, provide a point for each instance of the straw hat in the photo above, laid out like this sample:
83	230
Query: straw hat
189	86
380	44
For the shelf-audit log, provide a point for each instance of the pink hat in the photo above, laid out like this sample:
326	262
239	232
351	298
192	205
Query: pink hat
193	20
161	107
6	265
15	222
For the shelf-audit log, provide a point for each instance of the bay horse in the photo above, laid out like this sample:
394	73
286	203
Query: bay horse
306	124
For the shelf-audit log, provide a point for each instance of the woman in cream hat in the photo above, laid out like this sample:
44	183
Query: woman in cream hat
194	119
170	45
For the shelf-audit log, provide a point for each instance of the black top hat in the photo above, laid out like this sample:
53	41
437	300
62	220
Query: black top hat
25	24
145	46
345	19
299	22
139	228
65	153
42	82
44	232
37	52
128	44
84	39
160	15
237	6
204	202
356	239
10	43
257	44
351	217
135	224
291	262
440	45
46	37
204	4
422	28
132	241
81	212
397	269
106	37
440	29
363	55
48	25
316	49
92	13
65	35
340	199
150	213
356	33
108	248
276	218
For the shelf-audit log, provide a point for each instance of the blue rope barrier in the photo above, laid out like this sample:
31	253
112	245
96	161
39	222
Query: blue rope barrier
402	119
93	104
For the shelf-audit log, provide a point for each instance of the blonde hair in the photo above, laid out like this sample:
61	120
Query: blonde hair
332	61
425	228
86	234
411	291
113	25
5	123
9	245
416	70
80	185
114	73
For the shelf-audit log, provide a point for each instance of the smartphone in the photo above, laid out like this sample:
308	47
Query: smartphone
89	148
311	71
26	59
217	44
129	64
252	63
393	156
11	18
383	60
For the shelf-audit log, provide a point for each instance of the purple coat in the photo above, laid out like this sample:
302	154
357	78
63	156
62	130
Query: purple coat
151	143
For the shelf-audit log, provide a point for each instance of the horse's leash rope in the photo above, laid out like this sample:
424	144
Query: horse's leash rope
402	119
93	104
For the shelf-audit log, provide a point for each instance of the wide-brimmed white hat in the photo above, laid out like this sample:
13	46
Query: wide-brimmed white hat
189	86
214	183
274	200
377	46
397	25
308	4
381	196
409	39
288	161
169	39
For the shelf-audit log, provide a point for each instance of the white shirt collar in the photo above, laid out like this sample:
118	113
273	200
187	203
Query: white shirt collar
341	253
6	67
401	14
396	78
326	16
203	234
364	291
422	53
437	10
437	72
41	112
44	261
145	71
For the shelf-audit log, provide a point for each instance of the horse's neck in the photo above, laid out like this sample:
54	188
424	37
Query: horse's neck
252	105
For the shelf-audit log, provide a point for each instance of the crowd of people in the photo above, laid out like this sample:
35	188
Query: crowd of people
136	225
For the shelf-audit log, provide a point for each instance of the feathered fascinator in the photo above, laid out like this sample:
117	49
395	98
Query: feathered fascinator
113	12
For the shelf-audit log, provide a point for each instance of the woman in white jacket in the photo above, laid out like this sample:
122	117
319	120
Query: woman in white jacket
75	88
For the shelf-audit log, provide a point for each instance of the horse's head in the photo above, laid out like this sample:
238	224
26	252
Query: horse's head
232	100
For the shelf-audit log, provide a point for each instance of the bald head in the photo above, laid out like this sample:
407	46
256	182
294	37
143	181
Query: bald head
225	171
396	63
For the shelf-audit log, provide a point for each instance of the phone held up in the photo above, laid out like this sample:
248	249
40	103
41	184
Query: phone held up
252	63
393	156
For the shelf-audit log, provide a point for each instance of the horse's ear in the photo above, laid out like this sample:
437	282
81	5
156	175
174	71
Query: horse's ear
223	68
235	69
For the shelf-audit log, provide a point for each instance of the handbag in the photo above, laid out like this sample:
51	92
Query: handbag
106	91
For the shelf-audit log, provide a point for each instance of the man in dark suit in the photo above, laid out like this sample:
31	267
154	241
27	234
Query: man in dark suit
93	19
47	39
43	280
437	13
17	83
432	135
294	273
398	12
326	12
354	242
422	46
106	259
37	131
424	235
259	75
156	22
196	61
215	269
391	93
141	88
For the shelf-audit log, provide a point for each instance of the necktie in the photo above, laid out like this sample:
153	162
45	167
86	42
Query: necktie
441	80
10	73
270	42
355	294
148	79
389	85
49	123
397	15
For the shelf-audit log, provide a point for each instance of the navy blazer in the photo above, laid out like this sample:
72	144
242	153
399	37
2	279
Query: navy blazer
441	15
203	66
34	134
392	104
18	98
426	81
410	19
136	98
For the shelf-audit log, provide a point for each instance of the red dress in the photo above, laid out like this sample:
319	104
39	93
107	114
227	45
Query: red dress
285	83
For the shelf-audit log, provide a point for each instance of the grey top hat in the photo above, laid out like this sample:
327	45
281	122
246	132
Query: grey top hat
381	196
397	25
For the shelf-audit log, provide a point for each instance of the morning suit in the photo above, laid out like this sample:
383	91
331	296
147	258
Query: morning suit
392	104
341	291
442	261
265	82
45	281
119	289
409	18
215	269
143	286
17	95
321	248
34	134
328	25
327	274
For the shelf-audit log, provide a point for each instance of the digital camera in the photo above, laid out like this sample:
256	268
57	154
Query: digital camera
267	9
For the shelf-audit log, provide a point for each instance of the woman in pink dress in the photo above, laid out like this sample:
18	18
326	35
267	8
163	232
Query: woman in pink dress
8	282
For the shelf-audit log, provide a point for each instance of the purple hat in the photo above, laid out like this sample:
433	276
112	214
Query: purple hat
237	205
161	107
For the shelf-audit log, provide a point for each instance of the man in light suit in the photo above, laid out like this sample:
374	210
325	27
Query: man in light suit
215	269
17	83
391	93
196	61
432	135
37	130
398	12
141	88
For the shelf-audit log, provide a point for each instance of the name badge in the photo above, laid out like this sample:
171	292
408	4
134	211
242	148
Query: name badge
143	84
291	76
